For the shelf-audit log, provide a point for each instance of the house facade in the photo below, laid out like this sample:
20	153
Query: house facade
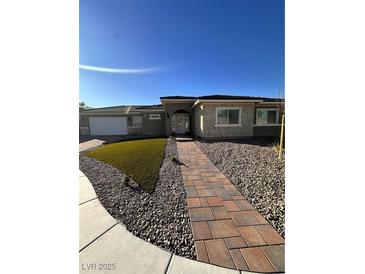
207	117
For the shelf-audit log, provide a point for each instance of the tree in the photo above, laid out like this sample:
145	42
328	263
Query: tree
83	106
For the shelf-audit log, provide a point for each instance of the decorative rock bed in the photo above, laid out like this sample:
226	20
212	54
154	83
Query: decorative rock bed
160	218
257	173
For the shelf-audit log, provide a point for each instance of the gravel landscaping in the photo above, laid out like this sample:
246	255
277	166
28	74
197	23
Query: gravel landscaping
257	173
161	217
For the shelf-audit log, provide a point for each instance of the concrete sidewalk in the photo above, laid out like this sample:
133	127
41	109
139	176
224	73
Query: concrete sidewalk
106	246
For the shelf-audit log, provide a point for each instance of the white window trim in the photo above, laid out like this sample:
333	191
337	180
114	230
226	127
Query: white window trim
157	116
267	125
132	121
228	125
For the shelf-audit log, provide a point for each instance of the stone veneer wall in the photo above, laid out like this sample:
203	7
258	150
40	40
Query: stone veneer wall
213	131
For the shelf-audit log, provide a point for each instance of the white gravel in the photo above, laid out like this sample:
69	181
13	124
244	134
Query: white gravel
161	217
256	171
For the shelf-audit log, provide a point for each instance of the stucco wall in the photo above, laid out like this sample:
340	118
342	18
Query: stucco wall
213	131
83	121
149	127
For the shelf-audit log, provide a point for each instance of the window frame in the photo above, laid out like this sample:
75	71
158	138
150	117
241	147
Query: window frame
133	126
268	109
228	109
155	114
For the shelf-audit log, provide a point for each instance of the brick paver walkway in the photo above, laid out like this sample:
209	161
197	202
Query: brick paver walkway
227	230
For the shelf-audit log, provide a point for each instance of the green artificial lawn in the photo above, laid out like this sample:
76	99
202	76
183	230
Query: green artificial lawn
140	159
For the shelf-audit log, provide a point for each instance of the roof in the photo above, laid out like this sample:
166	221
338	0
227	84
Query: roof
222	97
126	109
149	107
178	97
234	97
145	108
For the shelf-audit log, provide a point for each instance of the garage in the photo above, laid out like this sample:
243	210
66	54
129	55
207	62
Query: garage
108	125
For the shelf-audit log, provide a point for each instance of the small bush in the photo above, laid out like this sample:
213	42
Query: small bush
276	147
174	159
126	180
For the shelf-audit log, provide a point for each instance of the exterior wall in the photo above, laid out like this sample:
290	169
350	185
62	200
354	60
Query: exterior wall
83	125
170	108
213	131
207	130
268	106
272	131
149	127
83	121
199	127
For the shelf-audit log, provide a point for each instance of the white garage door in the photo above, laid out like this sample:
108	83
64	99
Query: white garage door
108	125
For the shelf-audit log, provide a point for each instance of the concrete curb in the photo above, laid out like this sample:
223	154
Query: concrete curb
106	246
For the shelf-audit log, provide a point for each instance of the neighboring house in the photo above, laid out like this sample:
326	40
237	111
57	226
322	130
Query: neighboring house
208	117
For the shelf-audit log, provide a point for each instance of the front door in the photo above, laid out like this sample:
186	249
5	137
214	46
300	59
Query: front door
182	123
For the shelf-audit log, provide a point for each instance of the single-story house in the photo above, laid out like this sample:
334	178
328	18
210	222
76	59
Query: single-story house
207	117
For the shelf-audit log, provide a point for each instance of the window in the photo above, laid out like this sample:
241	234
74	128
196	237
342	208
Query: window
155	116
134	121
267	117
228	116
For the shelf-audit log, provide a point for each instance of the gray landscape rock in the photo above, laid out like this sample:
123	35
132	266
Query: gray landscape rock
160	218
254	168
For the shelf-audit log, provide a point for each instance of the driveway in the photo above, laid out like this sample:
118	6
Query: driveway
87	142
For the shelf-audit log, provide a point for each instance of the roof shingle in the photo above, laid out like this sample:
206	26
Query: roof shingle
223	97
125	109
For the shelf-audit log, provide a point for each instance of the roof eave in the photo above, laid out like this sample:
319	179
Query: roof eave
272	102
121	113
225	101
177	100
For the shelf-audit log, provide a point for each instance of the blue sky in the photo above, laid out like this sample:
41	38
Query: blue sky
179	47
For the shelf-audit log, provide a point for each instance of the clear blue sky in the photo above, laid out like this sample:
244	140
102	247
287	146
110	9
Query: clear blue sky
180	47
